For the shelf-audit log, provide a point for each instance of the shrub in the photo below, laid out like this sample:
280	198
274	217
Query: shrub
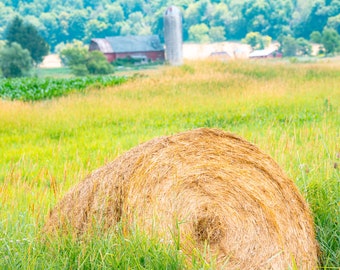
15	61
97	63
330	40
82	62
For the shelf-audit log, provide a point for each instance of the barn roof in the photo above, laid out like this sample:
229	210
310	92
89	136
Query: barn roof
103	45
262	53
121	44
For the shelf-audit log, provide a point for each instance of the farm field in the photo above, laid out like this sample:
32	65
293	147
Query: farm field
33	89
290	111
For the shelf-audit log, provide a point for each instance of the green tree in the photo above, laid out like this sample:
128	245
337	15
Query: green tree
95	28
15	61
63	18
73	4
256	14
134	25
131	6
28	37
199	33
217	33
220	15
82	62
2	44
192	14
34	9
316	20
304	47
97	63
114	13
330	40
85	19
50	33
270	18
72	53
76	24
289	46
334	22
6	14
15	3
91	3
256	40
157	26
315	36
112	16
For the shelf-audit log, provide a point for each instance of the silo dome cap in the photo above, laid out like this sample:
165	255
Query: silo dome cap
172	11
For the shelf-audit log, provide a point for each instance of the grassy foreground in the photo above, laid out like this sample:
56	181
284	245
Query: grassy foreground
291	111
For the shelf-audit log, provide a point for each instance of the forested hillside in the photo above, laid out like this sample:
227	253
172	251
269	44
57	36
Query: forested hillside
203	21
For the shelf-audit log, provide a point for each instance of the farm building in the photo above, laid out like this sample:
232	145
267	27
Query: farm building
267	53
220	55
142	48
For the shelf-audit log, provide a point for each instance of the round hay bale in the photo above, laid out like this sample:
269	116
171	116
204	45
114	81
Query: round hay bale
210	187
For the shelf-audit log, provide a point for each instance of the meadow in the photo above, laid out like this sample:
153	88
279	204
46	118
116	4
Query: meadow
290	110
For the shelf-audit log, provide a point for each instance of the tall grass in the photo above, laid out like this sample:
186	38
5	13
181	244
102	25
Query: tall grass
291	111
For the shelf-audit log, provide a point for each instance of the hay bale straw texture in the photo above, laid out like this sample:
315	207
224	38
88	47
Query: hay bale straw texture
206	185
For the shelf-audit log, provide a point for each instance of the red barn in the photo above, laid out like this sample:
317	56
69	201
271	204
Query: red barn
144	48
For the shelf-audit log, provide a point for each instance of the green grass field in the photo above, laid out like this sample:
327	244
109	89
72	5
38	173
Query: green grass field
291	111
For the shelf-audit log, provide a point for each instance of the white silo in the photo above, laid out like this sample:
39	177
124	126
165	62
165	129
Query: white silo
173	35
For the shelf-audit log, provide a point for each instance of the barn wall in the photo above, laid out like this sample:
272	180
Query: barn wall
110	57
153	56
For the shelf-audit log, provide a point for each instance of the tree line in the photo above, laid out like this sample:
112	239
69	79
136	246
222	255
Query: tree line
203	20
24	48
30	29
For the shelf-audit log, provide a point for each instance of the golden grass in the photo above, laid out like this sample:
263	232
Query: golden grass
289	111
